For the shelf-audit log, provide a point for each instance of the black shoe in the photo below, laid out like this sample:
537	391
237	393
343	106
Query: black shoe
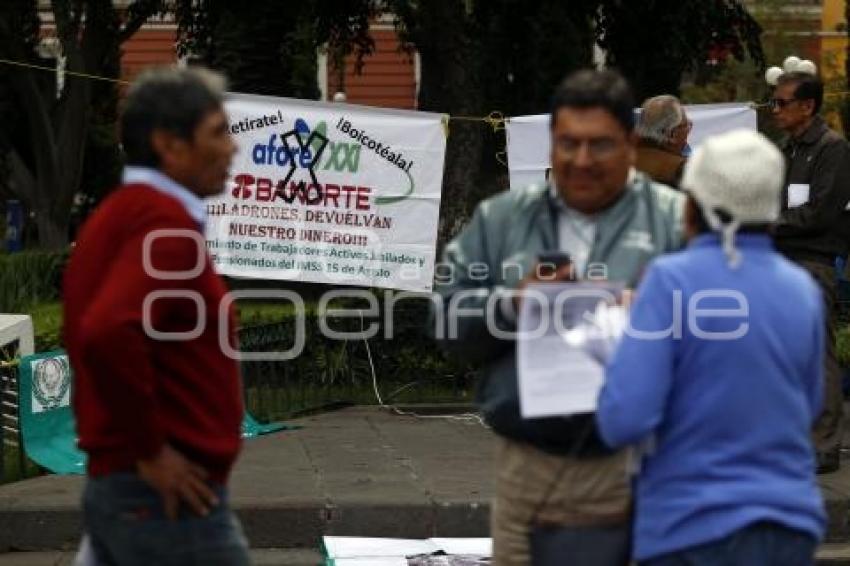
828	462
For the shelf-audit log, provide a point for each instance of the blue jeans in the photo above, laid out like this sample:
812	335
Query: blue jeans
125	519
580	546
759	544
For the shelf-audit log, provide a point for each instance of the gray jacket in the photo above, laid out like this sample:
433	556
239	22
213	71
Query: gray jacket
499	247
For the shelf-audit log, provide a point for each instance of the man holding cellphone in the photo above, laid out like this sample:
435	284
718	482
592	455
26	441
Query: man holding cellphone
553	500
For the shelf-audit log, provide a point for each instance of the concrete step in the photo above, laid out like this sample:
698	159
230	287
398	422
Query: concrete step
263	557
834	554
828	555
835	489
355	472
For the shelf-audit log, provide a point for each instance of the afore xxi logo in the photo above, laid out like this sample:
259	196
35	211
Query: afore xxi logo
305	148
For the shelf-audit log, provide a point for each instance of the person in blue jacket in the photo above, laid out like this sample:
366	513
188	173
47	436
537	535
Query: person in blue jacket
718	378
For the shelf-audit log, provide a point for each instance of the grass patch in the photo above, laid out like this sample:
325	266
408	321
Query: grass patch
270	403
29	278
15	466
47	325
262	312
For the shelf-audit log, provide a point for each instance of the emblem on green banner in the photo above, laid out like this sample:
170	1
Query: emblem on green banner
51	380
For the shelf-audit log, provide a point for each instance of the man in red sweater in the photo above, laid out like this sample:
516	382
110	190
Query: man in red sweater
157	401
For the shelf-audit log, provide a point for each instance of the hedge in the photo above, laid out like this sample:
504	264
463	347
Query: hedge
30	277
409	367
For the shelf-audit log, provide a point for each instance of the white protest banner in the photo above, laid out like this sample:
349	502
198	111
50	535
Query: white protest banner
329	193
529	145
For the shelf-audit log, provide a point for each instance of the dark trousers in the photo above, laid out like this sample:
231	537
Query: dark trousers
124	517
760	544
580	546
828	429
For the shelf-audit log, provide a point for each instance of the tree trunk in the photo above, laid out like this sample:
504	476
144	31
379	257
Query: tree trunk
52	230
58	128
59	136
845	108
450	84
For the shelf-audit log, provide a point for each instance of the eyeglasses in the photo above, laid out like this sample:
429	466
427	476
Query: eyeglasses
779	103
598	149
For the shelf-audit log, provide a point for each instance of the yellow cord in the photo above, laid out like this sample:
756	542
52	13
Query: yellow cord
70	73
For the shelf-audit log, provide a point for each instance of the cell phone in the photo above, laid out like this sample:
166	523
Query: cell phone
558	259
551	262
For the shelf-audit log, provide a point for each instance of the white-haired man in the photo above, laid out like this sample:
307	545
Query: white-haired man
663	130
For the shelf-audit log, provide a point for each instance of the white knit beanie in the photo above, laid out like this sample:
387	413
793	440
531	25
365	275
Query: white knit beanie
741	173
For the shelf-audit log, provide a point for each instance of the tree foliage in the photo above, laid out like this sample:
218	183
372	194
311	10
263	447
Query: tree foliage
267	47
45	151
475	55
845	111
655	42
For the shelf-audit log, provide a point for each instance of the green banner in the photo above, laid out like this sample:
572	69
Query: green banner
45	383
46	420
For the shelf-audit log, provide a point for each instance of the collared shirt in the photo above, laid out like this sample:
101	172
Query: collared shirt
194	205
576	231
644	221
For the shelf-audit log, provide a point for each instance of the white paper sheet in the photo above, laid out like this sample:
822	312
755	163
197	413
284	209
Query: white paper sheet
466	546
372	561
561	372
359	547
798	195
529	140
368	551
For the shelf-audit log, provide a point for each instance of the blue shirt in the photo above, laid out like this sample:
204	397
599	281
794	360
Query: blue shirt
730	418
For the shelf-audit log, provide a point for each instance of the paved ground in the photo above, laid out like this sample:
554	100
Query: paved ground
266	557
835	555
360	472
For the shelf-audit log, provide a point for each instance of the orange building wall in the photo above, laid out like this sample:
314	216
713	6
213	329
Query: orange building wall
148	47
387	78
834	48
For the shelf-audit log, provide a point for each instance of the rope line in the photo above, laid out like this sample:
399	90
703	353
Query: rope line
70	73
495	119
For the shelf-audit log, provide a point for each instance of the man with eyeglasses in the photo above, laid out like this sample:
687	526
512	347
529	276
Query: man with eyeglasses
663	129
810	231
562	497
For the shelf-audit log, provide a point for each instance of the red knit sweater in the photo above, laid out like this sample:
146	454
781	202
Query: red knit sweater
133	392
